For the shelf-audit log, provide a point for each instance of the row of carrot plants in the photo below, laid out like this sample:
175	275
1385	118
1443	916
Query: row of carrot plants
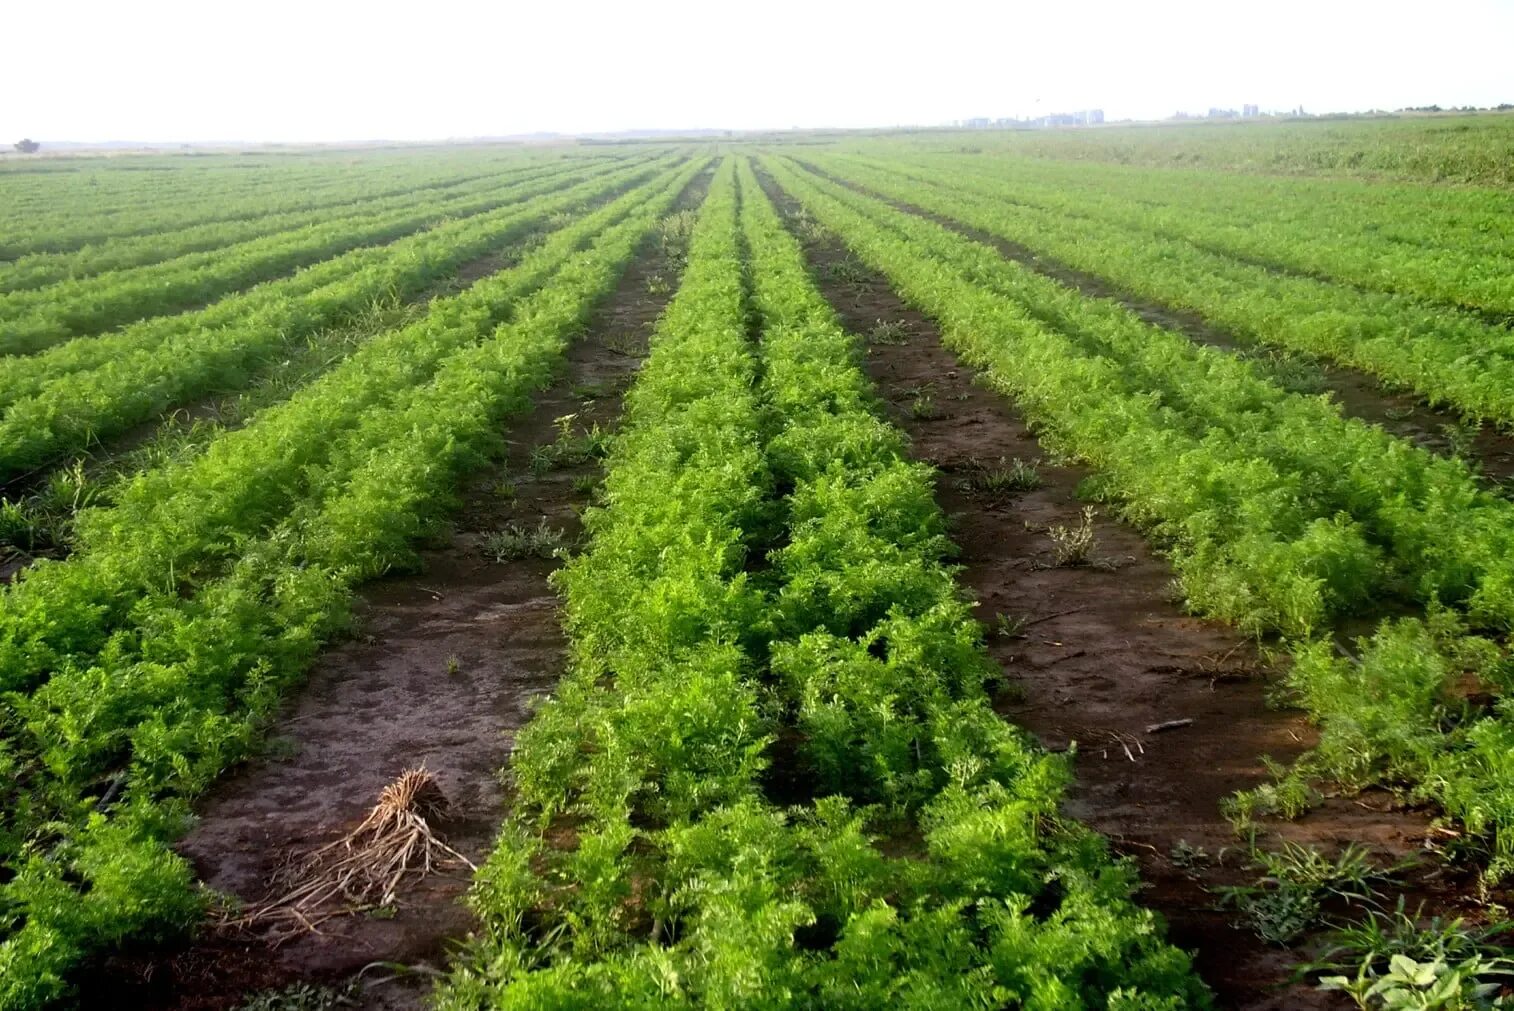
1446	356
1474	219
35	319
100	190
185	198
61	401
38	269
1278	513
771	776
158	687
1472	267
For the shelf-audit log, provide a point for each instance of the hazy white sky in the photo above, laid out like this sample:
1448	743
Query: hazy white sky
321	70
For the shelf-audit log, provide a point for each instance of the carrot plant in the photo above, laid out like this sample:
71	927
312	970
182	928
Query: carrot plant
150	697
1278	513
773	672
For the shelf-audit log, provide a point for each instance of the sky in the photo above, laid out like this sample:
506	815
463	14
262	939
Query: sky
333	70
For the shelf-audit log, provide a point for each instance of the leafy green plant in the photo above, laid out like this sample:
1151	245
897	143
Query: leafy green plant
1433	986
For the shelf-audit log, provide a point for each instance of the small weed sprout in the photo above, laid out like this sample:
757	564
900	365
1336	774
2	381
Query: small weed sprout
1003	479
1010	626
1073	546
569	449
848	271
890	331
454	665
1461	439
516	541
1187	857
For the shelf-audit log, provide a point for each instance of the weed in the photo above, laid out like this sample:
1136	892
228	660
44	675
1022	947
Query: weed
454	665
1461	438
888	332
1072	546
848	271
584	484
1379	936
674	232
517	541
1003	479
1187	857
1287	796
300	997
1287	900
1010	626
569	449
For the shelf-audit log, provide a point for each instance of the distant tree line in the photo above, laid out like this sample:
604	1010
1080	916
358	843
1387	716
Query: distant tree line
27	146
1500	107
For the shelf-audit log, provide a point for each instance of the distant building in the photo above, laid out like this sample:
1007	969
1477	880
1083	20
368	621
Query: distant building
1250	111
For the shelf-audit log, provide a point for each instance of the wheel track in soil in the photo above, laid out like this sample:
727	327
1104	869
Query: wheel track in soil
385	700
1110	652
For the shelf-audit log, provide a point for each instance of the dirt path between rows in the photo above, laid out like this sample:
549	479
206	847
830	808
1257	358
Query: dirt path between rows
1106	653
1360	394
446	666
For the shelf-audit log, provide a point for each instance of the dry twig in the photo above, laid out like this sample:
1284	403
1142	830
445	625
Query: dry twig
362	870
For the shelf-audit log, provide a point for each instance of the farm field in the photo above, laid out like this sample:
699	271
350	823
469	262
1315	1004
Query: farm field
947	569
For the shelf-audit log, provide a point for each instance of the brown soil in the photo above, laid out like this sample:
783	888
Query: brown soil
1360	394
1108	653
447	666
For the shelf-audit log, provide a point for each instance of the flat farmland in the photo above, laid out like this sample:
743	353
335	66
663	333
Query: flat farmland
1059	569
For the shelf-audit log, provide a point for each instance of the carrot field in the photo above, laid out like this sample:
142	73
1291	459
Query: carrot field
936	569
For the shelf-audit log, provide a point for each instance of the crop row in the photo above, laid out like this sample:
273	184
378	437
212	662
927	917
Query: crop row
60	401
184	201
40	269
33	320
1410	251
1447	356
773	672
1463	149
135	718
1278	513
